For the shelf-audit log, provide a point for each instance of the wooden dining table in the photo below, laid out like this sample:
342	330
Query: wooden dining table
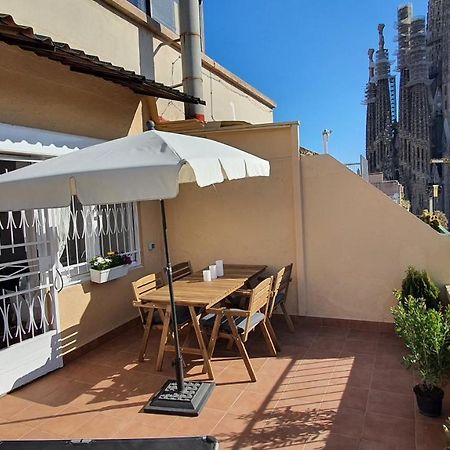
196	294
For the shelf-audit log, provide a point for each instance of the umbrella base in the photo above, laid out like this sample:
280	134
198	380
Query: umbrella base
187	403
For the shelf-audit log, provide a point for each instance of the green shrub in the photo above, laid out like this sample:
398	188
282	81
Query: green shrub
426	334
419	285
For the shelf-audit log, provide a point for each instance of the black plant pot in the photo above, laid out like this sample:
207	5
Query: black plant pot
429	401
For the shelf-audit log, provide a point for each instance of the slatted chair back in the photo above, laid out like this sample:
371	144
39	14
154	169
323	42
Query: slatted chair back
181	270
286	279
146	284
142	286
280	285
259	302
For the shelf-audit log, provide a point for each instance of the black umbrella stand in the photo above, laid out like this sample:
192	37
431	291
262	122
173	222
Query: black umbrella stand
177	397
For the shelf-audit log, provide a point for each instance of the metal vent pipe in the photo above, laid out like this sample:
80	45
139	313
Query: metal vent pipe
191	56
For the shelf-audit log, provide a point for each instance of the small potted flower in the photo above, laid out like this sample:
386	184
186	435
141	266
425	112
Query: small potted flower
106	268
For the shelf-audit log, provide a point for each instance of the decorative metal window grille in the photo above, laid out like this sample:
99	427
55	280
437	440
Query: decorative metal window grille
96	230
28	251
26	291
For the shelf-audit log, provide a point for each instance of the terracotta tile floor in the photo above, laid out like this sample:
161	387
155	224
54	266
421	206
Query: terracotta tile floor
329	388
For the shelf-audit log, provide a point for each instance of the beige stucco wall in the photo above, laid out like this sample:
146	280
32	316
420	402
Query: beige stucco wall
45	94
249	221
357	244
40	93
101	30
88	311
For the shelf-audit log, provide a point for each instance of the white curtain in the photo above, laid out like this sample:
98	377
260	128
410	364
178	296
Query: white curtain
61	221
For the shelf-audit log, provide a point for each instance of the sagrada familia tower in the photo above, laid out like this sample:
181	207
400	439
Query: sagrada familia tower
402	146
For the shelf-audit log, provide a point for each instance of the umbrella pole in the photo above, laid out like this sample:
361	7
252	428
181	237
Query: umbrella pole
178	357
177	396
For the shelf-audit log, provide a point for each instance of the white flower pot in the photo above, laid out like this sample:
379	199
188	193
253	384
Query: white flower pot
102	276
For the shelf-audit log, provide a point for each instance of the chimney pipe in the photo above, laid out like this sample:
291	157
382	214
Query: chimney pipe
191	56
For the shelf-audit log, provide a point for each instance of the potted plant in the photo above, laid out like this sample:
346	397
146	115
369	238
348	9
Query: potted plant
418	284
426	334
106	268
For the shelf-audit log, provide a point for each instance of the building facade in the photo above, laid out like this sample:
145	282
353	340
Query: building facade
420	132
381	104
72	75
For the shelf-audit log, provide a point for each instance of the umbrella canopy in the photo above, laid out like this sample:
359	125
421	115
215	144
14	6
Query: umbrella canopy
148	166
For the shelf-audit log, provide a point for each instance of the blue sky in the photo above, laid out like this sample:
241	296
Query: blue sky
310	57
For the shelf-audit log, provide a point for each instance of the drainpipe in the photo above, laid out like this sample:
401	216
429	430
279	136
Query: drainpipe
191	56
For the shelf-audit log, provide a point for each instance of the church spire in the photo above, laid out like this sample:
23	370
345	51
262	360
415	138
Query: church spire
370	53
381	36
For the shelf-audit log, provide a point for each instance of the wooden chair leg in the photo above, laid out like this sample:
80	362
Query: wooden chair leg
268	339
273	336
287	317
162	343
214	334
230	344
161	314
242	350
143	317
201	342
147	329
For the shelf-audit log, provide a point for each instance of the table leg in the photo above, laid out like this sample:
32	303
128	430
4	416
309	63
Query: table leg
162	343
147	329
201	342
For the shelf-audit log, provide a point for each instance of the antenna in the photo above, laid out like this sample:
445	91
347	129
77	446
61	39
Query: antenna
326	133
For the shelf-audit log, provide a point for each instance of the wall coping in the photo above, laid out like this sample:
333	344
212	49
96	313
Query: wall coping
241	127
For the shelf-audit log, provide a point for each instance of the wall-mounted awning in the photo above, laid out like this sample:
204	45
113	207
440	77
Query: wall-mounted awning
18	140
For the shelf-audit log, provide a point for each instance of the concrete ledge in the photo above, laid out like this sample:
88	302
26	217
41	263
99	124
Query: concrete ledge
360	325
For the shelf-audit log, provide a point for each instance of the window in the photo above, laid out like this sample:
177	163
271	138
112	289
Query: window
96	230
25	287
143	5
164	12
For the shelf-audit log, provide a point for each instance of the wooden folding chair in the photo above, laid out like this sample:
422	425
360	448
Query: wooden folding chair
153	315
181	270
279	294
147	310
240	322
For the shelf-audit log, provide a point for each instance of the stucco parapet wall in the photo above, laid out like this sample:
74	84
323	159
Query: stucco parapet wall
241	127
172	39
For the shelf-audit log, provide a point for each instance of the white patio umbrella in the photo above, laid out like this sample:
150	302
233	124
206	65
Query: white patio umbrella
149	166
